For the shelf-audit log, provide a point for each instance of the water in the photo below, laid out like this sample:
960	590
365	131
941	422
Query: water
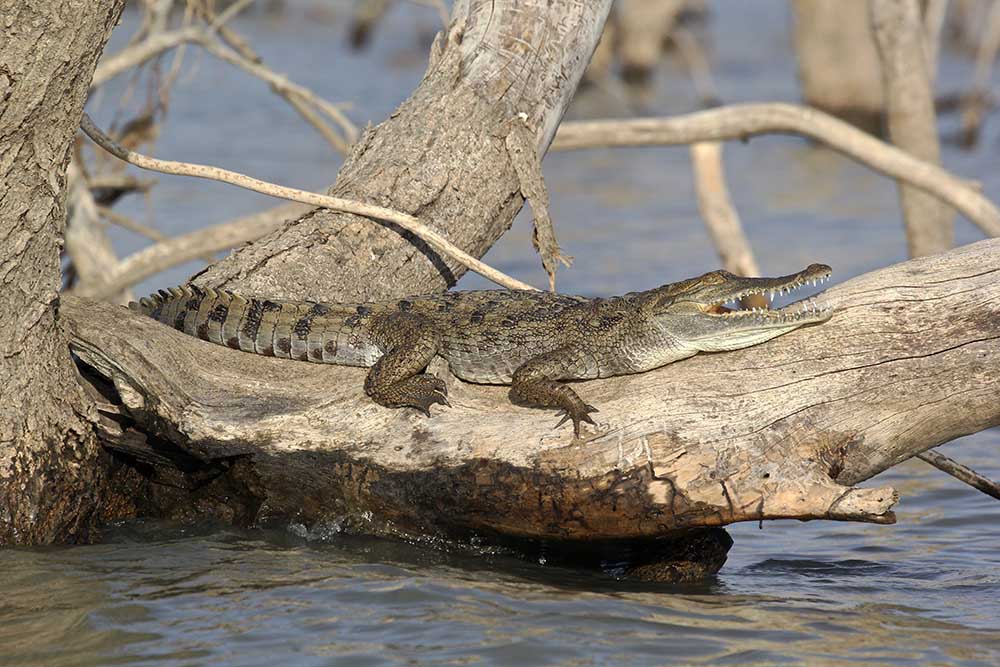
923	592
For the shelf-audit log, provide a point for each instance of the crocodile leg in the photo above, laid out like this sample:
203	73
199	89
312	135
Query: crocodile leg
396	380
536	383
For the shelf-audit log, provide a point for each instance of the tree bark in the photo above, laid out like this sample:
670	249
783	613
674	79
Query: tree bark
783	430
910	117
441	156
51	481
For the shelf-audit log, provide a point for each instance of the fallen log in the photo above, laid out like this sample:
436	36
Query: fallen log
782	430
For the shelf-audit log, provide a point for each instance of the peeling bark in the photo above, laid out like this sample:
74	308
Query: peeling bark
781	430
52	478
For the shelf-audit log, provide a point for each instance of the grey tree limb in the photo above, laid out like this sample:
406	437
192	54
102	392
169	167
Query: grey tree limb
910	360
742	121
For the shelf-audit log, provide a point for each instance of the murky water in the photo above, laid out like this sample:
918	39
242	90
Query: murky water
923	592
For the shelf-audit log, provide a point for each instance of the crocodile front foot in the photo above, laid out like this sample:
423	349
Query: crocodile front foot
418	391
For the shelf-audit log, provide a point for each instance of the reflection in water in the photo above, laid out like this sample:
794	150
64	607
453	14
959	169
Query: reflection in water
923	592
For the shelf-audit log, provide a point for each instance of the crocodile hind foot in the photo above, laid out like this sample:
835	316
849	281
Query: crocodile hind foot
578	413
418	391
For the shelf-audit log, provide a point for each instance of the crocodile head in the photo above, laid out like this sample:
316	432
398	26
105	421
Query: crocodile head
703	314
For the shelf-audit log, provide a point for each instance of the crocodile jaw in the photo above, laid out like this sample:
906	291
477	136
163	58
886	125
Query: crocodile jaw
705	324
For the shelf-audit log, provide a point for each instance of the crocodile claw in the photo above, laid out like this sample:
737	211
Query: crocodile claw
424	403
578	415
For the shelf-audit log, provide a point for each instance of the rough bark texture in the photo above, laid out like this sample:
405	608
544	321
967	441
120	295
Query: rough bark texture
910	117
441	156
838	63
782	430
50	481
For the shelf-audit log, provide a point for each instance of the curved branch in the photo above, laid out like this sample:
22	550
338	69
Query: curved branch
741	121
407	222
910	360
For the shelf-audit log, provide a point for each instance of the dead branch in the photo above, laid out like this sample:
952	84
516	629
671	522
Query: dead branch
132	56
959	471
910	360
742	121
520	143
407	222
910	117
717	211
696	62
300	97
87	244
976	101
838	66
720	217
125	222
208	36
173	251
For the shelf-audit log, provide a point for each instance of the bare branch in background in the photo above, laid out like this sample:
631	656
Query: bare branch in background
298	96
87	245
643	26
720	216
240	55
125	222
132	56
693	55
910	117
961	472
976	101
407	222
935	12
838	64
741	121
170	252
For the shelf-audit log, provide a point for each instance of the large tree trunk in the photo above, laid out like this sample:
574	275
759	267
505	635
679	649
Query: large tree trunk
783	430
443	156
51	482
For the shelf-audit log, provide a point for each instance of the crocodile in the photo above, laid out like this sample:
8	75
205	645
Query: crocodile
532	341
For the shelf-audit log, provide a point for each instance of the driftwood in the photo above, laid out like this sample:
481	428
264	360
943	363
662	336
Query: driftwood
783	430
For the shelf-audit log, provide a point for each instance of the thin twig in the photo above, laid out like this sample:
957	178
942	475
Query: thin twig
406	221
741	121
960	472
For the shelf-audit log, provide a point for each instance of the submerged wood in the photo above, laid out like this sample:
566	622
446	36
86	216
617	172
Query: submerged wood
782	430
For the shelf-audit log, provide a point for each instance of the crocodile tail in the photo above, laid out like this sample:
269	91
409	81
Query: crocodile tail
210	314
291	329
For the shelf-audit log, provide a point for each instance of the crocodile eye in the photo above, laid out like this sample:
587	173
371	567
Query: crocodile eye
713	278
